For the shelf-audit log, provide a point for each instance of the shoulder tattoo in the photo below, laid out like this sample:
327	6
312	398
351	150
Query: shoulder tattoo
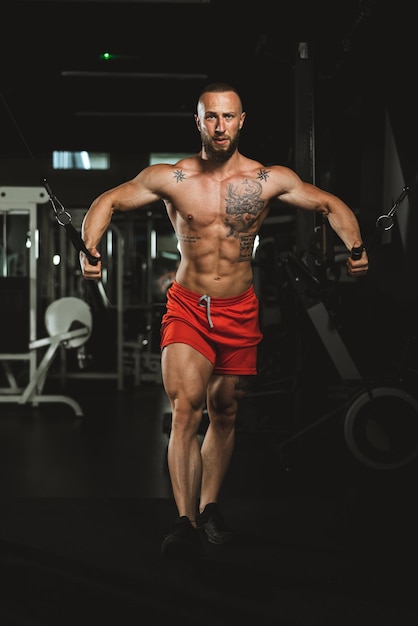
263	174
179	175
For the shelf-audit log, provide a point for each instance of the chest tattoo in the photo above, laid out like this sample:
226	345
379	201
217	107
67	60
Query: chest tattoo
243	206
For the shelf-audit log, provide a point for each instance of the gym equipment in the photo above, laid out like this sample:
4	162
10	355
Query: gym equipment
380	420
68	321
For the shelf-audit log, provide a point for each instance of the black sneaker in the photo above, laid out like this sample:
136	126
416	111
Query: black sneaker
183	541
211	521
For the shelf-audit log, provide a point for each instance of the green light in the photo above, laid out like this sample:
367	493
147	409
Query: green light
107	56
111	56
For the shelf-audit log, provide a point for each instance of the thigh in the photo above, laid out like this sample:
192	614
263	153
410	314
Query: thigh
185	373
225	391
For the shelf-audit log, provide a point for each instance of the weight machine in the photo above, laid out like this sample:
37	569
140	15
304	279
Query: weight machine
380	416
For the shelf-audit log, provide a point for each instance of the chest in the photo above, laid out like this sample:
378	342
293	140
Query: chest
238	203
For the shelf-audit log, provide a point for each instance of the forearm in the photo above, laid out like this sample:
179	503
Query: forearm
344	222
96	222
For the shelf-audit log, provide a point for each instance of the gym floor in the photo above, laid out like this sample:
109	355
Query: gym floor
323	539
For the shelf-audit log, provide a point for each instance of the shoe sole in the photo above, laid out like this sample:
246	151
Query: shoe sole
179	550
216	540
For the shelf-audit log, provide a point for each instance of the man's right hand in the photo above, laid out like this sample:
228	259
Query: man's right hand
90	270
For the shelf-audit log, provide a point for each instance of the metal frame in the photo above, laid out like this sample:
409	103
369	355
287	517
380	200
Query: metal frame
24	200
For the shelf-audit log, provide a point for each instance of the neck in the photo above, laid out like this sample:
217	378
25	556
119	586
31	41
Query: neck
210	161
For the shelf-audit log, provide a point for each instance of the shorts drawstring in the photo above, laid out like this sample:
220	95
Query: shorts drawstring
205	301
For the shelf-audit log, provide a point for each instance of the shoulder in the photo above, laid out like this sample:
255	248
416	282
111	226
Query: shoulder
159	177
257	170
275	179
168	172
277	174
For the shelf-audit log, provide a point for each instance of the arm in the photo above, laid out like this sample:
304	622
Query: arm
339	215
138	192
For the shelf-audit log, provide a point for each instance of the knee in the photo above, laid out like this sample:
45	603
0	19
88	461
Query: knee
186	415
222	414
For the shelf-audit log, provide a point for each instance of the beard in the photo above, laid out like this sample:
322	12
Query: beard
220	155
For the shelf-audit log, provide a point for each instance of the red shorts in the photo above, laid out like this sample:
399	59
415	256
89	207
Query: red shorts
225	330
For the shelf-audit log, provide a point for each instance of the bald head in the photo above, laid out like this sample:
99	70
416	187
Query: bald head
219	88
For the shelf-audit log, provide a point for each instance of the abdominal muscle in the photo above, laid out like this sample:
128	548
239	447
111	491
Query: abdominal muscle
222	279
215	260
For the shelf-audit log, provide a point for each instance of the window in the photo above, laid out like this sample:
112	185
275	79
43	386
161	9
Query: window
83	160
166	157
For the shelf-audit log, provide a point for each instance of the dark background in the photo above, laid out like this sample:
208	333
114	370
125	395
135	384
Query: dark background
65	96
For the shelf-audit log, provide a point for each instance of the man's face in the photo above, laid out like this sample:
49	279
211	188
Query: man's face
219	119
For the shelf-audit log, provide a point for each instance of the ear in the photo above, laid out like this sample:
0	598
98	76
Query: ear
196	119
242	119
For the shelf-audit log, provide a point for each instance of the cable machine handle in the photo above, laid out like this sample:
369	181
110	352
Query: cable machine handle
357	252
64	219
79	244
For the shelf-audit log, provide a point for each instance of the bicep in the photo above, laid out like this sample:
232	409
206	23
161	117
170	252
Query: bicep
133	194
305	196
293	191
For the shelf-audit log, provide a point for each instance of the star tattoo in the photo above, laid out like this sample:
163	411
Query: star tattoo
262	174
179	175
